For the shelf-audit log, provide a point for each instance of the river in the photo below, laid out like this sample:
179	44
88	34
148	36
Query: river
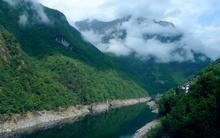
116	123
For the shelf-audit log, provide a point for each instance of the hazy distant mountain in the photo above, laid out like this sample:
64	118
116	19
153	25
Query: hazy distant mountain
140	36
115	30
155	53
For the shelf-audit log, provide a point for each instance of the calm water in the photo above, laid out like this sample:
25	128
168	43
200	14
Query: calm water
117	123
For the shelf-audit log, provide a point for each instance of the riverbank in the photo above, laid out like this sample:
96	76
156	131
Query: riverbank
32	121
142	131
153	106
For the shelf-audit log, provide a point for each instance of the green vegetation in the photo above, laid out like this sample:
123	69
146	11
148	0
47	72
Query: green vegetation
44	65
43	40
28	84
47	65
39	39
195	114
159	77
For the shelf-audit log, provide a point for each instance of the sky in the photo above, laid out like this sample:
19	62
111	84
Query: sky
198	18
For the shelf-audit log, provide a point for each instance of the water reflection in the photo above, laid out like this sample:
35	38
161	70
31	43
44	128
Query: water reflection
116	123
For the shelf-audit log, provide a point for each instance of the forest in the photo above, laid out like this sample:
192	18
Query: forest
29	84
192	114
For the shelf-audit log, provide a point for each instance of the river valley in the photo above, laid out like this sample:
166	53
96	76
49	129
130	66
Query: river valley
115	123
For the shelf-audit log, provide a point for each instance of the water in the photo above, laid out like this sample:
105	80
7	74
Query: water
117	123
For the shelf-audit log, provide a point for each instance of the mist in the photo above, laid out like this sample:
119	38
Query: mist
134	42
23	20
198	20
39	14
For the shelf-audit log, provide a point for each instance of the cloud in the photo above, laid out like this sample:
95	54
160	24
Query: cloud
23	20
141	8
210	40
199	20
145	48
115	47
92	37
77	9
39	14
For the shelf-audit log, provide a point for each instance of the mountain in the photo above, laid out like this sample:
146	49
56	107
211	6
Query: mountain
46	64
137	35
155	53
30	22
195	113
115	29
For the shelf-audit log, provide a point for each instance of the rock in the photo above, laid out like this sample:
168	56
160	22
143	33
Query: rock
142	131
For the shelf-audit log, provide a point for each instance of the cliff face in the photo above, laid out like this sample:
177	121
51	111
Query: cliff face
9	125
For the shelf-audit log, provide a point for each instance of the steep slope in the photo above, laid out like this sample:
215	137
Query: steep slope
195	114
153	53
44	63
42	31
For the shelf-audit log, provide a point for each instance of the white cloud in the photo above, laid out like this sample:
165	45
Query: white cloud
115	47
92	37
77	9
200	19
144	49
135	43
23	20
40	15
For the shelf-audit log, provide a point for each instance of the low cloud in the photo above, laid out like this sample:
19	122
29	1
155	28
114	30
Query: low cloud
144	48
23	20
39	14
115	47
199	20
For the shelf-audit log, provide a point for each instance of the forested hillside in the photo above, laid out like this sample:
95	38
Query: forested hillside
42	32
45	64
159	77
195	114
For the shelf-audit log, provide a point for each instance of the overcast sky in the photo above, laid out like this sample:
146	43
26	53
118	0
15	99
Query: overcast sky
203	12
200	18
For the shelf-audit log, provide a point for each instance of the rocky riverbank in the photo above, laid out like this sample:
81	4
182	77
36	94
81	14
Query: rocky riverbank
153	106
31	121
142	131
